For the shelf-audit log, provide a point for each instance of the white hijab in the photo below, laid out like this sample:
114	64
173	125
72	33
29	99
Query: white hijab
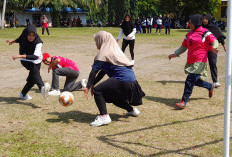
109	50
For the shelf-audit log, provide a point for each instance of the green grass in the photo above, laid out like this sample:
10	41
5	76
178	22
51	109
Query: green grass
42	127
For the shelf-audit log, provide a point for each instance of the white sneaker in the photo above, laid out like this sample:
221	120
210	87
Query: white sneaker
27	97
84	83
133	113
45	89
216	84
100	120
133	62
54	92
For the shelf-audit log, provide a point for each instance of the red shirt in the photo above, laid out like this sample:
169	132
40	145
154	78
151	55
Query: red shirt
198	43
45	25
64	63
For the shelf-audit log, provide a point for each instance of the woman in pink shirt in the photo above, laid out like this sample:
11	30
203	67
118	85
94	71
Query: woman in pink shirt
45	25
197	41
63	67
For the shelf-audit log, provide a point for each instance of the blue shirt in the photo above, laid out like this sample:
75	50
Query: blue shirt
121	73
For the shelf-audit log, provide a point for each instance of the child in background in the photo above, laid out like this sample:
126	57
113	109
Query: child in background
30	56
197	41
45	25
63	67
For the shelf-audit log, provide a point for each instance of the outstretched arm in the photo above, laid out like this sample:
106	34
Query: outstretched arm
178	52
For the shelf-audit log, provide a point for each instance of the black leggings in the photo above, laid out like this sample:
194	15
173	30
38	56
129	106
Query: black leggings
111	91
131	44
46	30
212	57
33	77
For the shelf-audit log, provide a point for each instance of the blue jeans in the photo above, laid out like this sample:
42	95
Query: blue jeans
191	81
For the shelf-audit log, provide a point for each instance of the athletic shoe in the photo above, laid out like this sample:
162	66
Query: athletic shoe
42	35
45	89
135	112
84	83
180	105
27	97
216	84
100	120
133	62
55	92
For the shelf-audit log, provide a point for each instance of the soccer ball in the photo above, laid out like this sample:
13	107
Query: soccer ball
66	99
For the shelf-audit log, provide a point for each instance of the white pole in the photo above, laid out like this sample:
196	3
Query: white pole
3	14
226	144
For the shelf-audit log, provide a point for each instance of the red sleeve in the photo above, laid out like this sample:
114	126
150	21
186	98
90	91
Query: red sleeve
185	42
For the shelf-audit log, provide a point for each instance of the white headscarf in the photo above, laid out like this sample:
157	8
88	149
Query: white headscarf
109	50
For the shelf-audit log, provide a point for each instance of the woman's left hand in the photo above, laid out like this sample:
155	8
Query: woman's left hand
86	92
128	37
215	50
14	57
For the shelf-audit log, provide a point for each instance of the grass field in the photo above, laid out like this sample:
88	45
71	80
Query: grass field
42	127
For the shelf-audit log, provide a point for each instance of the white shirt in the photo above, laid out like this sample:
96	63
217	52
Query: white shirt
149	22
38	53
131	35
159	22
144	23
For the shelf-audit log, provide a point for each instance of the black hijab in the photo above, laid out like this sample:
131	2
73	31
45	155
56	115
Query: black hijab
127	27
26	47
214	29
196	20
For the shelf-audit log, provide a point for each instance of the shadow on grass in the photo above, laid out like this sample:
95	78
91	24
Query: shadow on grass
78	116
166	82
167	101
110	140
36	90
15	100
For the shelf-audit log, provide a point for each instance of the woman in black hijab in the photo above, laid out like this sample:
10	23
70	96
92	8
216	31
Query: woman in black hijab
212	57
129	31
30	55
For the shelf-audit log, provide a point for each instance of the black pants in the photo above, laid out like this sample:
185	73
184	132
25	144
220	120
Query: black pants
148	28
33	77
167	29
46	30
131	44
212	57
71	77
111	91
144	29
158	28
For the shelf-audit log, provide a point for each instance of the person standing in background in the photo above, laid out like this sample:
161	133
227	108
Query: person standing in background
45	25
159	24
138	25
149	24
144	24
129	31
167	24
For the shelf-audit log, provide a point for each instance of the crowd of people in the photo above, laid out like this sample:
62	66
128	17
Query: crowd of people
121	88
145	25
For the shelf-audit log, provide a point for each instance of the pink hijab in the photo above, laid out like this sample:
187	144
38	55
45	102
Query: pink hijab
109	50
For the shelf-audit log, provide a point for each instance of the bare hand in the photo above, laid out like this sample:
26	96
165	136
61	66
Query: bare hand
128	37
14	57
117	40
215	50
171	56
9	42
86	92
